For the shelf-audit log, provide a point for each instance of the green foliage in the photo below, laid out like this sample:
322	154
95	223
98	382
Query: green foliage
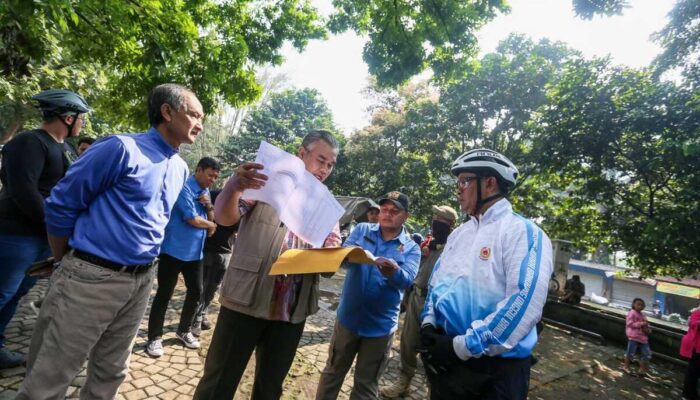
607	154
587	9
680	39
210	46
416	134
627	144
400	150
283	121
406	37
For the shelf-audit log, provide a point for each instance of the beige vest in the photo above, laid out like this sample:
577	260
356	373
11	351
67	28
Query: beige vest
426	269
247	286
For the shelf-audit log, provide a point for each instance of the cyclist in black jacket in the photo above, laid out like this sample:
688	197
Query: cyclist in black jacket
32	163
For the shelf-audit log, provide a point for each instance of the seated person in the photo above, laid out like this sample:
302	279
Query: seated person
574	290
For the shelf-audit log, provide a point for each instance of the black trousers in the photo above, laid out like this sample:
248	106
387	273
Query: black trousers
214	266
235	337
168	270
485	378
692	374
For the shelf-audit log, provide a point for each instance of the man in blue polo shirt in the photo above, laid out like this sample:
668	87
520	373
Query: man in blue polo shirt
111	208
369	306
191	220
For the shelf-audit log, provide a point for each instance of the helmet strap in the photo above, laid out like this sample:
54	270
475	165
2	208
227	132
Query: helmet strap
71	125
479	201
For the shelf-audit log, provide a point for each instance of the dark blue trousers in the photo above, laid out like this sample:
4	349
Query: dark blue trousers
17	253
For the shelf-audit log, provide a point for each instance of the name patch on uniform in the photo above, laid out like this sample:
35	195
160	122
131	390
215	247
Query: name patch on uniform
485	253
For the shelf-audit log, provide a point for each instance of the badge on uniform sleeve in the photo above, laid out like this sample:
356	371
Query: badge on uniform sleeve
485	253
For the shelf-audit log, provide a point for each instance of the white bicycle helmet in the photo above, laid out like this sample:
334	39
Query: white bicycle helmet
485	162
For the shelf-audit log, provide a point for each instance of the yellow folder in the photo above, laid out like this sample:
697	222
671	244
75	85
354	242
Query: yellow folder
308	261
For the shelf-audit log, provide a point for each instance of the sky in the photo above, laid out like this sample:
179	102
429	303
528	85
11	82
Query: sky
335	67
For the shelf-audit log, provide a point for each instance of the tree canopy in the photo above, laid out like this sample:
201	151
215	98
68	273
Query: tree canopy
629	145
607	154
114	52
282	121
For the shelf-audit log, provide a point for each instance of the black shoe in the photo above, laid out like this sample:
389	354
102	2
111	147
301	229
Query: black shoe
206	324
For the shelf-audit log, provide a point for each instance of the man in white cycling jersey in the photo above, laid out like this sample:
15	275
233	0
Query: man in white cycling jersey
487	292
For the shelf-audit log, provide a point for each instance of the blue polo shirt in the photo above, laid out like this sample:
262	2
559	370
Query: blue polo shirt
182	240
369	305
116	199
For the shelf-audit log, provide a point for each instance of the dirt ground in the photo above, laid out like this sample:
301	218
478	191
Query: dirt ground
569	366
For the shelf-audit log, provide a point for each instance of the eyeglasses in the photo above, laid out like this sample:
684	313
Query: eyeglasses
464	182
391	211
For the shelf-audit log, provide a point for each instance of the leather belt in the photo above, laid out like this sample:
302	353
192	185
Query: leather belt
132	269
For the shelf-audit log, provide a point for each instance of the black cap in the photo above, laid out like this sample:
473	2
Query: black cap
372	204
399	199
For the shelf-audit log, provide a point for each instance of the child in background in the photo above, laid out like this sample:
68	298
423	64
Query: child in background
690	349
637	330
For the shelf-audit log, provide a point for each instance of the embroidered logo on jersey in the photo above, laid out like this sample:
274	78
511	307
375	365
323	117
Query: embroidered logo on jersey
485	253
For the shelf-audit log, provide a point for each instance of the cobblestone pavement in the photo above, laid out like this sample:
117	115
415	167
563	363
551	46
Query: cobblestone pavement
569	367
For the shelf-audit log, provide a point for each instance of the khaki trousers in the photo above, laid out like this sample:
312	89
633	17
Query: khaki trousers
410	335
372	357
89	312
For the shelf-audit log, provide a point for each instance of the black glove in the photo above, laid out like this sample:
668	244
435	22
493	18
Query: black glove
442	352
427	335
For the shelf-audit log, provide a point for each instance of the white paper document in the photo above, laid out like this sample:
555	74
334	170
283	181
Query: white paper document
303	203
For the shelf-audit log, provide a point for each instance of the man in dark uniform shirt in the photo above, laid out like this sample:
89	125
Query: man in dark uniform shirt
217	254
32	163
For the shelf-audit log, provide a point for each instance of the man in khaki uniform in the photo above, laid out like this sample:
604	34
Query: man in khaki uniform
259	312
444	218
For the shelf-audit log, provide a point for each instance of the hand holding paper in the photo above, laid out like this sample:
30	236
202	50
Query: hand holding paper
303	203
248	177
386	266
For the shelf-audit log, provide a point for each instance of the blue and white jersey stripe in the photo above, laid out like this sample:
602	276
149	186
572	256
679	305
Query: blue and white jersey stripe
491	283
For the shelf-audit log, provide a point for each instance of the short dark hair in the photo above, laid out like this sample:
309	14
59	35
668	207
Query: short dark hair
319	134
87	140
167	93
208	162
576	278
638	299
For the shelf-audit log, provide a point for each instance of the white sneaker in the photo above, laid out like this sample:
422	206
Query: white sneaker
188	339
154	348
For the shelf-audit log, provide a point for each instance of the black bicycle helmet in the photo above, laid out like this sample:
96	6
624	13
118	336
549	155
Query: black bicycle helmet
61	102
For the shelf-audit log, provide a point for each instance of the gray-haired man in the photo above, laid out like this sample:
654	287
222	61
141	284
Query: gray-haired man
111	209
261	312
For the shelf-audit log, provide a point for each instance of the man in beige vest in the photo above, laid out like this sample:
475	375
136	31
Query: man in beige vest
444	218
261	312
